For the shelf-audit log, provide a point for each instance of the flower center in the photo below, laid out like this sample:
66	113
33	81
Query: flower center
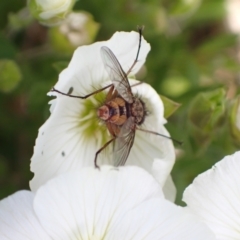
90	123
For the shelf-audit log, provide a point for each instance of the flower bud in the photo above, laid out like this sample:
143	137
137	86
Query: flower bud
207	110
52	12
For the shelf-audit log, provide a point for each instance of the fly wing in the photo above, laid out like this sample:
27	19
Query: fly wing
116	74
124	142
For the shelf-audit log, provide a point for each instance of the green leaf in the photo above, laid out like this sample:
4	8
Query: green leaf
10	75
169	106
210	11
7	49
234	119
181	7
217	43
59	66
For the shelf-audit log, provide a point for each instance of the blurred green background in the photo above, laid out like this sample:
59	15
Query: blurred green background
194	61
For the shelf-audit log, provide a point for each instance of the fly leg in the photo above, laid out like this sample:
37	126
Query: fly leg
136	84
159	134
104	146
90	94
81	97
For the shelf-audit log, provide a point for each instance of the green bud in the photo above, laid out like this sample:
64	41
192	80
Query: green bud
207	110
50	13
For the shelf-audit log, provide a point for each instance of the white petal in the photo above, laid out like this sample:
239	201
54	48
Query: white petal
214	196
170	190
17	218
159	219
61	146
84	204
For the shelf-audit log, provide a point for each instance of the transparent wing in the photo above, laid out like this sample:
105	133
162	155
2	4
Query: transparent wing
116	74
123	143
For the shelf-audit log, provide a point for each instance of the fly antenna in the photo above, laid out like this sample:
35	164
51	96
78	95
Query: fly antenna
140	30
159	134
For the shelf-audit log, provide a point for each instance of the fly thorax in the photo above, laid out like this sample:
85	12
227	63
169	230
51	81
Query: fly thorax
138	111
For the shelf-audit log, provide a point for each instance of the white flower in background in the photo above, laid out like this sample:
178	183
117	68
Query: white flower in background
79	28
215	197
124	203
50	12
73	132
233	15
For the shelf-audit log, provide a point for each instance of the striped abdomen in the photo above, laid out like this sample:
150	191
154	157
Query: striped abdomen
117	111
114	111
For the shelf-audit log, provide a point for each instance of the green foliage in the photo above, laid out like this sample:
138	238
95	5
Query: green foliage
7	49
10	75
193	58
182	8
234	121
59	66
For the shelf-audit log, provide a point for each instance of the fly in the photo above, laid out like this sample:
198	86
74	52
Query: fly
122	112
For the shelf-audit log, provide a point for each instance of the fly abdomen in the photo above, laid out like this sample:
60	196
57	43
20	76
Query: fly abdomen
118	111
123	110
114	111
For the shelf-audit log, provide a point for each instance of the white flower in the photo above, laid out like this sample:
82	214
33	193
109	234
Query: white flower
79	28
233	15
50	12
73	131
124	203
215	197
